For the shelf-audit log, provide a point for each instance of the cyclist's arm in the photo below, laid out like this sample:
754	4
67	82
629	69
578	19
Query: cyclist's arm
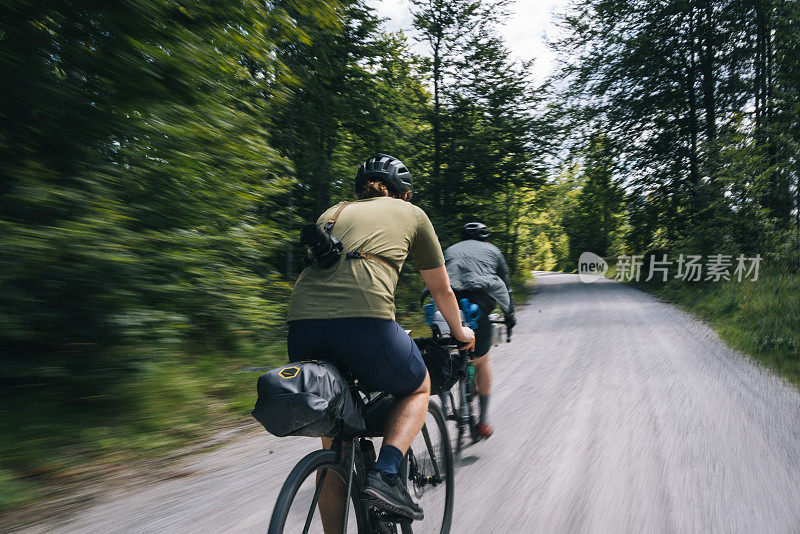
439	284
502	271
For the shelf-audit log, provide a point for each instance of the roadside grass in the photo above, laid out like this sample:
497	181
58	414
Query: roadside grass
53	441
761	318
522	284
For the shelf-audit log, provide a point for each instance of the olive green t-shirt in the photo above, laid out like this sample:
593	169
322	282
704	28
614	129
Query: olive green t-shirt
387	227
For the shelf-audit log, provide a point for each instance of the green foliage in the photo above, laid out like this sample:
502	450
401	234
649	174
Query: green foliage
156	161
137	194
490	136
597	216
699	100
548	244
49	445
131	188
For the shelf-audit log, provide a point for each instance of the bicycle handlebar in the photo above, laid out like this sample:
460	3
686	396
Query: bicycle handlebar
447	341
508	328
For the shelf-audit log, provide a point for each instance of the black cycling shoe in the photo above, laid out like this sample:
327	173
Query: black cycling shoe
389	495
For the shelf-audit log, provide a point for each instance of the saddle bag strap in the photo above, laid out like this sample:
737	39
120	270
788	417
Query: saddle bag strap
329	224
356	255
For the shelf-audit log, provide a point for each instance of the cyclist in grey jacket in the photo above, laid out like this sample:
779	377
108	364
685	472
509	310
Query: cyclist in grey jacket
478	272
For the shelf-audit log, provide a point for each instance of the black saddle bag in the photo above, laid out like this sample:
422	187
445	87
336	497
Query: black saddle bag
444	368
307	399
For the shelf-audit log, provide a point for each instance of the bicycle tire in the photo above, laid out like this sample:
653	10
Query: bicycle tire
452	413
460	439
466	425
446	466
474	411
306	467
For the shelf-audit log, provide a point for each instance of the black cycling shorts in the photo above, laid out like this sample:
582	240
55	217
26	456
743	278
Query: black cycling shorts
483	333
378	351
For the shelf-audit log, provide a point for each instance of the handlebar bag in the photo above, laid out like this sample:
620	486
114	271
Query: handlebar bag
445	369
307	399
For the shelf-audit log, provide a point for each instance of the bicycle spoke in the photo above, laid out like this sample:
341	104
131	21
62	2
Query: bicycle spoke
310	516
431	451
431	485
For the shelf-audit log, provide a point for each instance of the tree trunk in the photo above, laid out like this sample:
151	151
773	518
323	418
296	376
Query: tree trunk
691	80
290	201
437	141
709	80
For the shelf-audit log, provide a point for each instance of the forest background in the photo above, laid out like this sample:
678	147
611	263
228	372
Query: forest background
157	159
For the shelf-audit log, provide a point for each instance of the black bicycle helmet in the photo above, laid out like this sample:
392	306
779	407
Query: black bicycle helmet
387	169
475	230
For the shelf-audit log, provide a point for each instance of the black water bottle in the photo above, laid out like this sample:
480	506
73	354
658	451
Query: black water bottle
324	247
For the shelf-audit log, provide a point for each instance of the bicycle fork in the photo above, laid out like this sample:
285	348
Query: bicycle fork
458	413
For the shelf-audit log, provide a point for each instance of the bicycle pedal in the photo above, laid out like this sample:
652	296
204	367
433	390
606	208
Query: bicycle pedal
388	517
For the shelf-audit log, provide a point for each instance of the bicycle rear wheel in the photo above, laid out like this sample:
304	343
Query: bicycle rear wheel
297	509
429	475
474	410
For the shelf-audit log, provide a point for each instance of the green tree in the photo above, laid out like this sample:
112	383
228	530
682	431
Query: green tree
495	141
597	215
134	156
673	84
443	24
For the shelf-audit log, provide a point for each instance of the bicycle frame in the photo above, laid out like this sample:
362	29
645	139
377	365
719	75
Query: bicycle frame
350	457
461	412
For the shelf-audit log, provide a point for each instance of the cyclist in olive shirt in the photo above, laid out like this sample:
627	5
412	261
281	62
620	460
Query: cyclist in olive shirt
346	312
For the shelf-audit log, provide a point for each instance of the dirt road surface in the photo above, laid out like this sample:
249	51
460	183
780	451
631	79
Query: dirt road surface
613	412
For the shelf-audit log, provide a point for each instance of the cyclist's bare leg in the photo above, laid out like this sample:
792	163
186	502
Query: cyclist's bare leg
483	385
331	498
483	374
407	417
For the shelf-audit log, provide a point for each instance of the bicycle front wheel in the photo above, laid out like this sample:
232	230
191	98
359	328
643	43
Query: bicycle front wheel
429	475
313	495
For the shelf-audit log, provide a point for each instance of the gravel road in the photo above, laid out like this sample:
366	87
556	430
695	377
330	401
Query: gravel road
613	412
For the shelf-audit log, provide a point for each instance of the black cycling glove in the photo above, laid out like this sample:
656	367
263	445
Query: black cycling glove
511	320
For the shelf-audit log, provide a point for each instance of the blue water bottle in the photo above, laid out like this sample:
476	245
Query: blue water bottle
430	312
471	313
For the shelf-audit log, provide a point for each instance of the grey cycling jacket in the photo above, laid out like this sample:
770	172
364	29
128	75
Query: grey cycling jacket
477	265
